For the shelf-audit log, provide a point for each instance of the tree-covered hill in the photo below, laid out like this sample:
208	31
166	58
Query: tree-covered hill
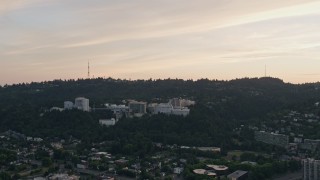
221	107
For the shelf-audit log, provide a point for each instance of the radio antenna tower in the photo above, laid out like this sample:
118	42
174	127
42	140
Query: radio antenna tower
88	69
265	70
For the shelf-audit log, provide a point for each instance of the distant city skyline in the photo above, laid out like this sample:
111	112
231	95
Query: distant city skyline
216	39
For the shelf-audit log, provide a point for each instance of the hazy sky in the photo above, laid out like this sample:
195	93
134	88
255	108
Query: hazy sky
142	39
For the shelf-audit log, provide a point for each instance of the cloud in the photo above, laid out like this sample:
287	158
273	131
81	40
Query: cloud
7	6
311	74
186	24
291	11
146	36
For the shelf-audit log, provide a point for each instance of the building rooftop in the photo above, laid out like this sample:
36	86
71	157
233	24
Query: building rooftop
218	167
237	174
200	171
214	149
137	102
204	172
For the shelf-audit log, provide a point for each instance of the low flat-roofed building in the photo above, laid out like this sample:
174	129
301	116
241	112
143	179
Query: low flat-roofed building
63	177
212	149
249	162
238	175
107	122
39	178
272	138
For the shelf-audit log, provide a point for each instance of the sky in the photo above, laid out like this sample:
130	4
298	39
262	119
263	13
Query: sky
141	39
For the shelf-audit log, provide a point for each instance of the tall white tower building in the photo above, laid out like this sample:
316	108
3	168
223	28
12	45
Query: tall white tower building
311	169
82	103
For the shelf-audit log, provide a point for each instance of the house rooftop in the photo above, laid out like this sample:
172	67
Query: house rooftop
218	167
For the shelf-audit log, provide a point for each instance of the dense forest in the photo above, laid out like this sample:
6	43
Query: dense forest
221	106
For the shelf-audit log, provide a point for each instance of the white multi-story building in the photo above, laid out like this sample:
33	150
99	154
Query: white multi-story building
181	111
82	103
167	108
117	108
311	169
68	105
136	107
178	102
151	107
164	108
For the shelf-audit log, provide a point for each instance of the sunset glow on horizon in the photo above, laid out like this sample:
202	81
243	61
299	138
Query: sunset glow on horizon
215	39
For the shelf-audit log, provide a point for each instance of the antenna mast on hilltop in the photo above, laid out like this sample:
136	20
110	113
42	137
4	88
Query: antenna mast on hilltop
265	70
88	69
